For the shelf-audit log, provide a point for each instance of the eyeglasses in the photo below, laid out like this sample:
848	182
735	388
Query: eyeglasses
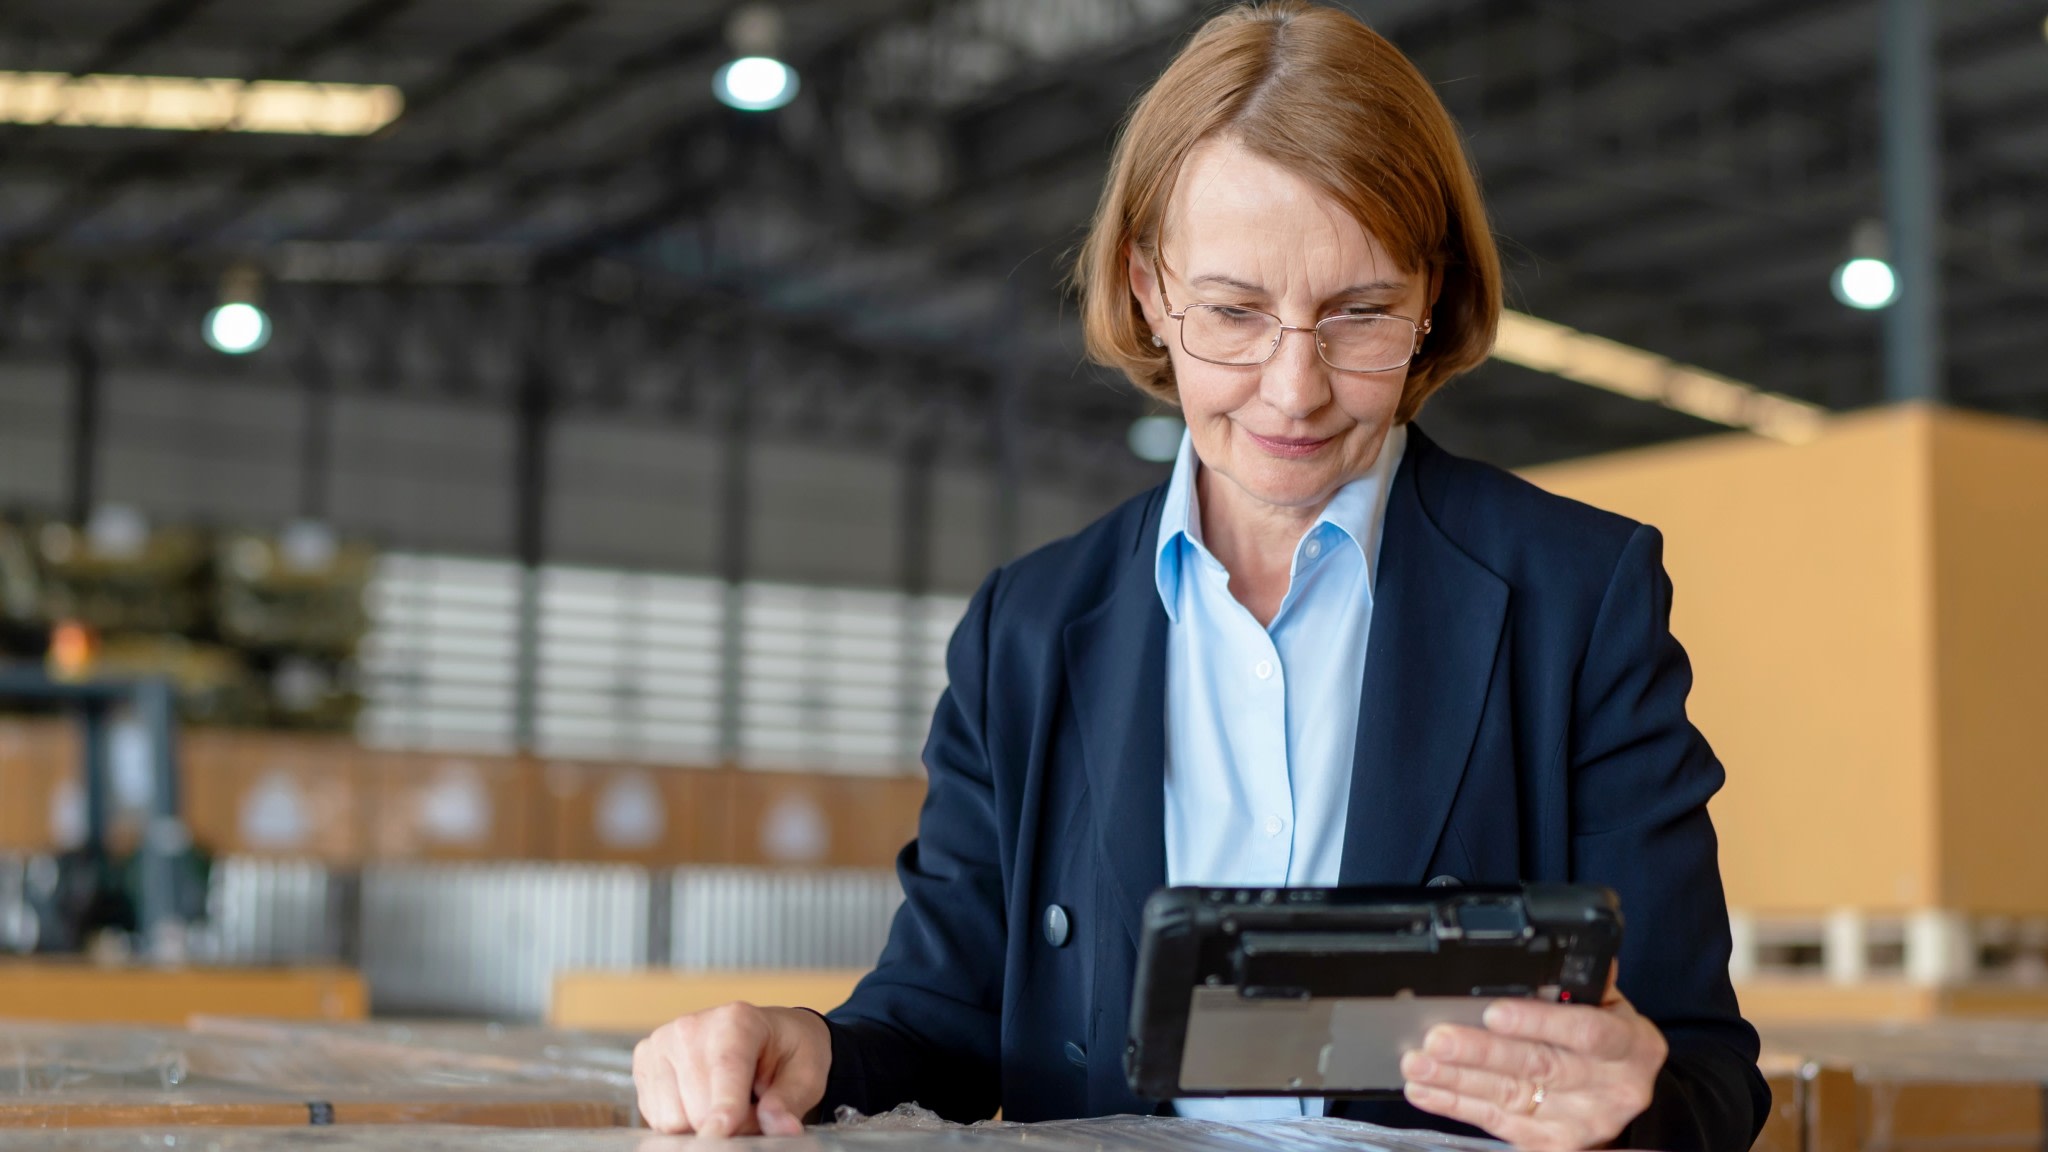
1240	337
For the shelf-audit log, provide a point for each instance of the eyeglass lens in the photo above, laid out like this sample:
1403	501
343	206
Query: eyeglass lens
1240	336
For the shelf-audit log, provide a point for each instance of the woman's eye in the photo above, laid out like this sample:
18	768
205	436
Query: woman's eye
1229	313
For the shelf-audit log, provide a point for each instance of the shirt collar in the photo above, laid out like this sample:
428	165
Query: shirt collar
1359	510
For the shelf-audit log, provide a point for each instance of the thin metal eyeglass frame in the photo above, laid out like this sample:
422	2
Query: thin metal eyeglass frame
1420	330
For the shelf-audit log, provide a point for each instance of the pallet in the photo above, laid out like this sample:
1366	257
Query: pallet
1932	948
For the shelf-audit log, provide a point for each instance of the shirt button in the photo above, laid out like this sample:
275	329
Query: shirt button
1056	925
1263	669
1273	825
1314	549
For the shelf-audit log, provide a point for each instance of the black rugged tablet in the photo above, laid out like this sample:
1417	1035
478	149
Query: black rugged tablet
1318	991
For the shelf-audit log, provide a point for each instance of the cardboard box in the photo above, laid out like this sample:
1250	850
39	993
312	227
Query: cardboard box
433	806
42	799
809	820
639	1002
1901	1087
1784	1126
82	992
1865	616
262	794
632	813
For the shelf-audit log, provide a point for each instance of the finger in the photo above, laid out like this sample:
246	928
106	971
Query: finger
1613	995
792	1088
730	1062
1509	1094
1595	1033
1531	1061
660	1095
1521	1131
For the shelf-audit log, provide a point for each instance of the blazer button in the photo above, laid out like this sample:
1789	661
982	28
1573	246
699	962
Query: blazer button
1056	925
1446	882
1077	1055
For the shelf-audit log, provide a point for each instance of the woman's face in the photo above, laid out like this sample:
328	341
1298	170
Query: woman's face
1242	231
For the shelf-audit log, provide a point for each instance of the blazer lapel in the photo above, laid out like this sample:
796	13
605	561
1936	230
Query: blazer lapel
1436	625
1116	673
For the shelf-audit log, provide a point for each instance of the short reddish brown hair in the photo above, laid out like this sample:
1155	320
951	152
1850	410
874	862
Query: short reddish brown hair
1318	93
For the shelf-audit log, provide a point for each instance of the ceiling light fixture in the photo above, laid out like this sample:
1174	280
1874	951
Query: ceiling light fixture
1865	280
755	84
196	104
757	81
237	326
1560	350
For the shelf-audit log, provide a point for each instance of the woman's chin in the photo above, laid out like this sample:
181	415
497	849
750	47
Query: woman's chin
1289	488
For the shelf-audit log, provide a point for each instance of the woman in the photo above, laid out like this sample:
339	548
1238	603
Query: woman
1326	652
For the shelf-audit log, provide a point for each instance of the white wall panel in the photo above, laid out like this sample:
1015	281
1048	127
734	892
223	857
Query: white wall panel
413	474
634	496
825	517
186	448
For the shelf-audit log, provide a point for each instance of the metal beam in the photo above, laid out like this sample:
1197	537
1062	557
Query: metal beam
529	35
532	418
1912	196
735	517
316	436
110	180
83	491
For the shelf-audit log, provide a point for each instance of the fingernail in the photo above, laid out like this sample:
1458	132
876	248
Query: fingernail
1439	1042
1499	1015
1417	1066
1420	1093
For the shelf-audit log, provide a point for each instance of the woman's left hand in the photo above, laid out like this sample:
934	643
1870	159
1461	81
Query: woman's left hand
1541	1076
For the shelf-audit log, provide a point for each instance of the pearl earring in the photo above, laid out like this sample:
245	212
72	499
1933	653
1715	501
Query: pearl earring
1157	342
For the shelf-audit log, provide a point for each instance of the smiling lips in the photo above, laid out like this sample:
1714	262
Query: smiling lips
1289	447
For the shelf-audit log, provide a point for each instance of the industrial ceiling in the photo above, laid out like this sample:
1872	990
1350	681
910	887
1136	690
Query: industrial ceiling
564	219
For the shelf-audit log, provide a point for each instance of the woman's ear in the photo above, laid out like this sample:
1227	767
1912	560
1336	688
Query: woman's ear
1145	289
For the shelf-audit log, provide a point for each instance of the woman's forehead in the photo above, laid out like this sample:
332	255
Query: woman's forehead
1233	212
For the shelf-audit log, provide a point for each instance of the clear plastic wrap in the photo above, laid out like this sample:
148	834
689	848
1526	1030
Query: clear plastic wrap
70	1076
1976	1084
1946	1050
1109	1134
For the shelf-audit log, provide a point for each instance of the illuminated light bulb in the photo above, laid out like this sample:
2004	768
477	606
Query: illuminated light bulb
1865	282
237	328
1155	439
755	84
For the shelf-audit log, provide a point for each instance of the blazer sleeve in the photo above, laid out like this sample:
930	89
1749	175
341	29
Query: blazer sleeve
924	1026
1641	778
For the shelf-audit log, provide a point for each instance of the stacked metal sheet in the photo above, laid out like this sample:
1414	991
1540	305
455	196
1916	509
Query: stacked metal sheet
768	918
486	940
264	911
17	919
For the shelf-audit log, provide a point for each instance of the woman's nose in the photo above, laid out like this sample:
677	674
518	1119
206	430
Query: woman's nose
1296	382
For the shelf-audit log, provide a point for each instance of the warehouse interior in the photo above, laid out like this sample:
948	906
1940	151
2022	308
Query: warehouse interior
486	488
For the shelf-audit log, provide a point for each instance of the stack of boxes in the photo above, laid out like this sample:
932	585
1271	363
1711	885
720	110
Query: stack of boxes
327	798
1866	616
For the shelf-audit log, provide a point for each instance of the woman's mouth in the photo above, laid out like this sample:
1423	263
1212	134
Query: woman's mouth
1289	447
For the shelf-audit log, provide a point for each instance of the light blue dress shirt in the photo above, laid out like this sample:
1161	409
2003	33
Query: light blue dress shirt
1262	722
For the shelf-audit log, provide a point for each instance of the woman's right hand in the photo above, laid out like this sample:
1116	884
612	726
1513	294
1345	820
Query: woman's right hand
733	1071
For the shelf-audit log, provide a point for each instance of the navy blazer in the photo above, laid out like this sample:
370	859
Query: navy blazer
1522	719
